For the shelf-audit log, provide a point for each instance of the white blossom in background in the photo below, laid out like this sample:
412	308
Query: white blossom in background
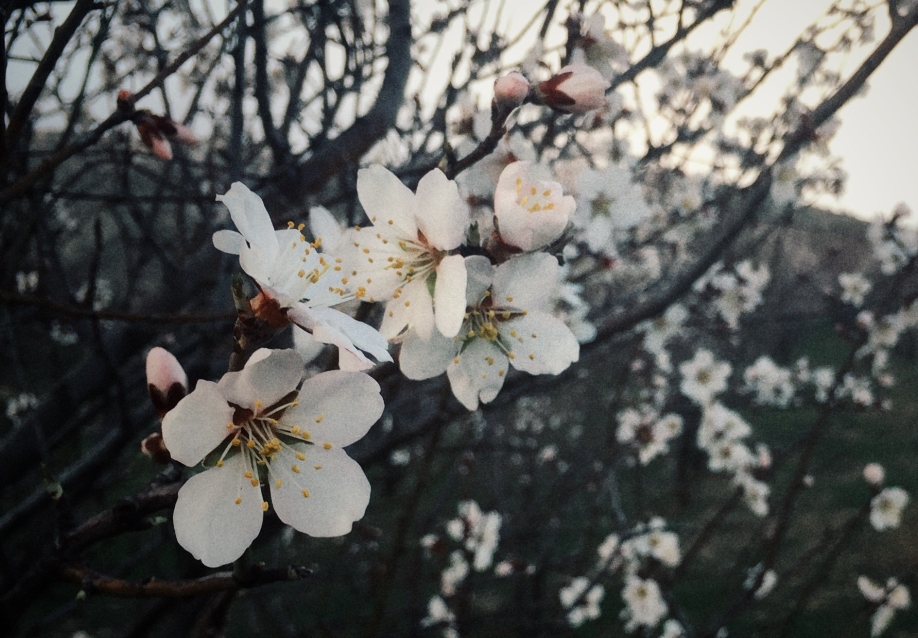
855	287
20	404
755	493
608	204
644	604
452	576
672	629
886	508
767	584
874	474
823	380
659	331
647	432
769	383
439	613
889	599
719	423
597	48
405	257
581	600
296	282
703	377
739	292
507	322
26	282
530	209
893	245
478	531
267	428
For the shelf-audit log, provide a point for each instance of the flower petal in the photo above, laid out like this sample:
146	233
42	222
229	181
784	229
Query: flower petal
307	347
338	491
479	374
197	424
324	226
250	216
449	295
441	214
218	513
424	359
529	280
228	241
386	200
543	344
267	380
363	336
480	272
336	407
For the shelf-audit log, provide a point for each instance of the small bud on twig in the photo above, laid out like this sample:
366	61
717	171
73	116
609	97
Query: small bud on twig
166	380
577	88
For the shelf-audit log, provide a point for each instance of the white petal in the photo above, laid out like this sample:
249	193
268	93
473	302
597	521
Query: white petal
363	336
197	424
352	362
338	491
307	347
543	344
424	359
479	374
420	312
479	275
228	241
209	522
449	295
441	214
324	226
250	216
386	200
395	318
336	407
529	280
267	380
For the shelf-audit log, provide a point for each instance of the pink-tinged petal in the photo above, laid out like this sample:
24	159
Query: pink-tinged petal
336	407
449	295
424	359
479	375
266	381
161	148
228	241
325	496
184	134
218	513
197	424
526	282
387	202
250	217
442	215
542	344
480	272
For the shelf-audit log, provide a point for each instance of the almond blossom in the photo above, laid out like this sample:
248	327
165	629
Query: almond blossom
405	256
296	281
576	88
266	428
506	322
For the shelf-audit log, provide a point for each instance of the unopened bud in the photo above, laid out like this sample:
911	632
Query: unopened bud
577	88
511	90
154	447
874	474
166	380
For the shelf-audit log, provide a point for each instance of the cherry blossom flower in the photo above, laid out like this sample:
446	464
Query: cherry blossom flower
581	600
645	606
703	378
886	508
266	428
296	281
889	599
854	287
506	322
405	258
531	210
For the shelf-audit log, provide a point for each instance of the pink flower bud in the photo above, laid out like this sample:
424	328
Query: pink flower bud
166	380
511	90
577	88
874	474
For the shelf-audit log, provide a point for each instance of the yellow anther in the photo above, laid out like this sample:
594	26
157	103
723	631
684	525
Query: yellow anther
295	429
532	357
317	467
490	360
511	355
301	226
254	482
278	483
547	193
500	373
532	191
550	206
505	314
327	446
487	293
290	224
407	303
258	404
344	280
484	376
238	500
510	299
250	444
357	228
524	201
319	418
248	475
305	493
302	273
300	456
295	468
264	506
219	463
519	186
533	335
306	435
456	360
236	442
390	222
